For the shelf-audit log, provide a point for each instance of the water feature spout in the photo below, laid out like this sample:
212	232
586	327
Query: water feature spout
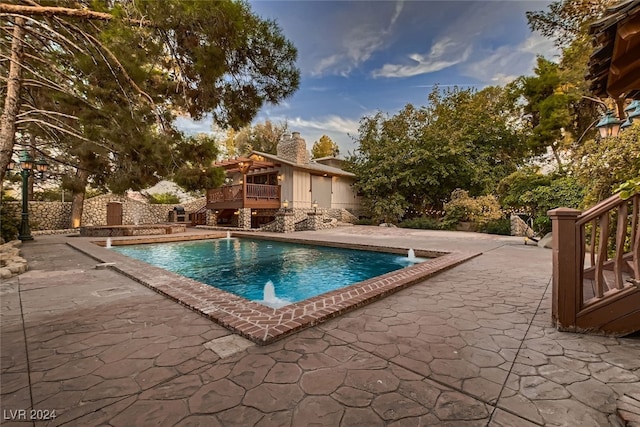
228	234
269	292
269	296
411	255
108	244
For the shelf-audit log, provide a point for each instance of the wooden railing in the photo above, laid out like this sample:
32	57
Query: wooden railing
263	192
596	267
225	194
245	195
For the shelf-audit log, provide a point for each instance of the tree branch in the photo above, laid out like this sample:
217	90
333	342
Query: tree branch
66	12
80	137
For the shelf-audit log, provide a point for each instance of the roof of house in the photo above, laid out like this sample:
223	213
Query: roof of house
311	167
614	66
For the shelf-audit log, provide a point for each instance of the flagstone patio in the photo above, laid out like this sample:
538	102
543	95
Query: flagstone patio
470	346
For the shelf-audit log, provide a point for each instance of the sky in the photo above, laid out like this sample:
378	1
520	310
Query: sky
360	57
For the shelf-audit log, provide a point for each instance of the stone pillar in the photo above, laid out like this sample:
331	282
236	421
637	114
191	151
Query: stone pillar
315	220
568	260
244	218
285	222
211	218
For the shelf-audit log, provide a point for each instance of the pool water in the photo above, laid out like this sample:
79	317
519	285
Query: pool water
248	267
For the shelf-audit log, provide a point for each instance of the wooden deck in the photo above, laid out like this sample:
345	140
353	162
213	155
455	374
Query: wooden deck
255	196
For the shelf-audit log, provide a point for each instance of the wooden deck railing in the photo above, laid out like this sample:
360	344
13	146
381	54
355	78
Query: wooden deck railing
596	267
245	195
263	192
225	194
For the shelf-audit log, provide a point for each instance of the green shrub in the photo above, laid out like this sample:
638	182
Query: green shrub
497	226
9	221
529	191
365	221
164	199
423	222
478	210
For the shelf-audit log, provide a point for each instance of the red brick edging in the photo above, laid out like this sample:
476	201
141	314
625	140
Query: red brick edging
262	324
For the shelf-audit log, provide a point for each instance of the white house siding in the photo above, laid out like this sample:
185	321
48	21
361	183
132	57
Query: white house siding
301	189
286	184
343	196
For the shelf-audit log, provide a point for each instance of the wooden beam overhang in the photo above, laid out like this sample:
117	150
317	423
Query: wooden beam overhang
614	66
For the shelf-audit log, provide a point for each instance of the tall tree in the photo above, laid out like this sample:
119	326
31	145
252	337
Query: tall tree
105	80
564	21
262	137
324	147
416	158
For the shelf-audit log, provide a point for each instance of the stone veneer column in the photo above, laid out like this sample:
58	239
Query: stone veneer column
244	218
211	218
285	222
315	221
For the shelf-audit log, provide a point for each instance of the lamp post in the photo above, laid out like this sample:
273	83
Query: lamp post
26	167
314	205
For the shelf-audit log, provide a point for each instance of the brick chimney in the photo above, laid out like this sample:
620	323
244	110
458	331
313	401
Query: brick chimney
293	148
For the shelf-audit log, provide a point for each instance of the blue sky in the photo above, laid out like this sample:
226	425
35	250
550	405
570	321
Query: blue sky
360	57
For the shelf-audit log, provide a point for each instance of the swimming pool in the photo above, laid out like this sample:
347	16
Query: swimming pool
268	272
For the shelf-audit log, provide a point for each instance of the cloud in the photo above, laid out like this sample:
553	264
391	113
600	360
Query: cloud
356	39
445	53
331	123
506	63
191	127
338	128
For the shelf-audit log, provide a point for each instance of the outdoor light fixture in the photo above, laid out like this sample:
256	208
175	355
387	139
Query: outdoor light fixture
26	164
285	204
42	166
314	205
609	125
632	111
26	161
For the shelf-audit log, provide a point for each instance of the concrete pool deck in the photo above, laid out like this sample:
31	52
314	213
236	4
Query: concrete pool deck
260	323
470	346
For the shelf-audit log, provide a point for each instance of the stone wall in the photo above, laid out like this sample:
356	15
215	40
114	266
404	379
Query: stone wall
133	211
300	220
316	222
520	228
45	215
57	215
284	223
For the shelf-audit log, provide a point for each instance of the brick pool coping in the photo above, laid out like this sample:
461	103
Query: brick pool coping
259	323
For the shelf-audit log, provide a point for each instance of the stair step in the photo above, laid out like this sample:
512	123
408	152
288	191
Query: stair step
629	409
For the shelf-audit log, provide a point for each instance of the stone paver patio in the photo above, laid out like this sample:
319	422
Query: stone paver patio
472	346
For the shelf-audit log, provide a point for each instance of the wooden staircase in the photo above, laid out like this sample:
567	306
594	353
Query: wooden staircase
596	267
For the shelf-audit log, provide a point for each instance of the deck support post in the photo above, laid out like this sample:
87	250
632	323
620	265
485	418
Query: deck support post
211	217
285	221
244	218
567	267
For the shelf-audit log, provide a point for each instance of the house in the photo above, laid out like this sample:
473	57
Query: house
259	185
